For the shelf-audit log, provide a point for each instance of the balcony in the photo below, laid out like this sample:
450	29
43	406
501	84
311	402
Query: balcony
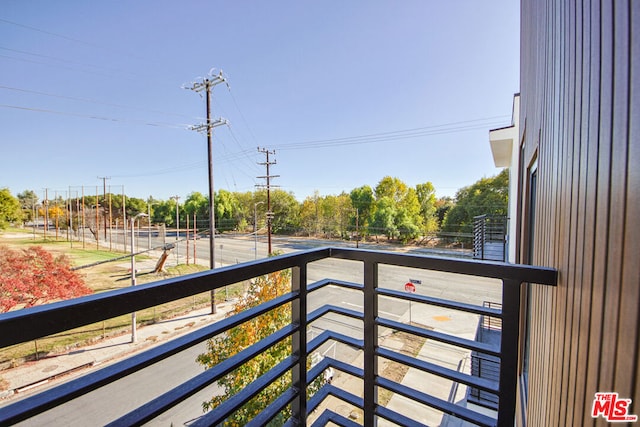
306	340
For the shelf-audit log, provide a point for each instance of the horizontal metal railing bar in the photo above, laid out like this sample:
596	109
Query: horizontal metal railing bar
36	322
271	411
436	403
235	402
397	418
441	337
441	371
331	390
48	399
327	335
328	282
65	315
329	308
461	306
162	403
492	269
329	416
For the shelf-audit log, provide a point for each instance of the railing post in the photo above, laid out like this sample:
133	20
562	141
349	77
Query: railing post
370	342
299	343
509	352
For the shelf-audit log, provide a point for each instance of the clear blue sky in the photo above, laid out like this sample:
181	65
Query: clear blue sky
345	92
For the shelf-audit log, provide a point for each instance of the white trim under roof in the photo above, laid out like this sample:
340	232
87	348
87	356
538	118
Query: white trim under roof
502	145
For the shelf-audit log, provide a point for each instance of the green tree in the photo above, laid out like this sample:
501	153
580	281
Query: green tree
134	206
486	196
286	210
443	205
310	215
198	204
28	200
383	221
426	194
226	208
392	188
219	349
397	210
164	212
10	210
334	214
363	200
245	210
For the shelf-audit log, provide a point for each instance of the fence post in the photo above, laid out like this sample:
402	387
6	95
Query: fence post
370	341
299	343
509	352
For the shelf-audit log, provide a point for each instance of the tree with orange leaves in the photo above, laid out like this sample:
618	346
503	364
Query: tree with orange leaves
33	276
262	289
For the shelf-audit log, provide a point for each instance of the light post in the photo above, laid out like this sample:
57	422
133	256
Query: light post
255	228
133	273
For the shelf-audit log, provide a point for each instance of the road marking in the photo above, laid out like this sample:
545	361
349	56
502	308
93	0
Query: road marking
386	313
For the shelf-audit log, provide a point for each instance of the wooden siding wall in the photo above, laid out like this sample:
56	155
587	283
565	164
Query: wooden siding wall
580	118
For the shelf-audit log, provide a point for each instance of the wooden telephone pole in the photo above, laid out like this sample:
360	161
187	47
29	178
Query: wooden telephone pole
268	186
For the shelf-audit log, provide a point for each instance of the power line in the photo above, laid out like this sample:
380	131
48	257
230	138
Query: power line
96	117
71	39
92	101
395	135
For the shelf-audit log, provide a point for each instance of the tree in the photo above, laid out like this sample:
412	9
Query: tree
286	210
486	196
426	194
362	199
33	276
164	212
397	210
198	204
28	200
383	220
226	208
443	205
10	210
263	288
133	206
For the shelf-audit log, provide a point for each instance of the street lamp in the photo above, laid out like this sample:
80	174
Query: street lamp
255	228
133	273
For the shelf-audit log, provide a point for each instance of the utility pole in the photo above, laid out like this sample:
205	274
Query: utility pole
46	212
206	85
268	186
104	204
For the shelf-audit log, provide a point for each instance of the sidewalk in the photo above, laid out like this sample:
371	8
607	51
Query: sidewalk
441	320
50	371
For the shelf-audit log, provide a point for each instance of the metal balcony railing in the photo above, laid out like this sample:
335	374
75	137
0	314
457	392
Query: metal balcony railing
29	324
489	237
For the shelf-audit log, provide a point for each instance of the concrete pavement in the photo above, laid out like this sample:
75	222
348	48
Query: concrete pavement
440	320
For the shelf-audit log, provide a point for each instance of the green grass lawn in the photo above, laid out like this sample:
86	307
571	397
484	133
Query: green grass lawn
103	277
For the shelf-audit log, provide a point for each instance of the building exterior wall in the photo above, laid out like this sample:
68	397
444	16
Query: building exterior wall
580	126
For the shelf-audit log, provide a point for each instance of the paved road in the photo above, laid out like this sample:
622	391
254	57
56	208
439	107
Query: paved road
110	402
